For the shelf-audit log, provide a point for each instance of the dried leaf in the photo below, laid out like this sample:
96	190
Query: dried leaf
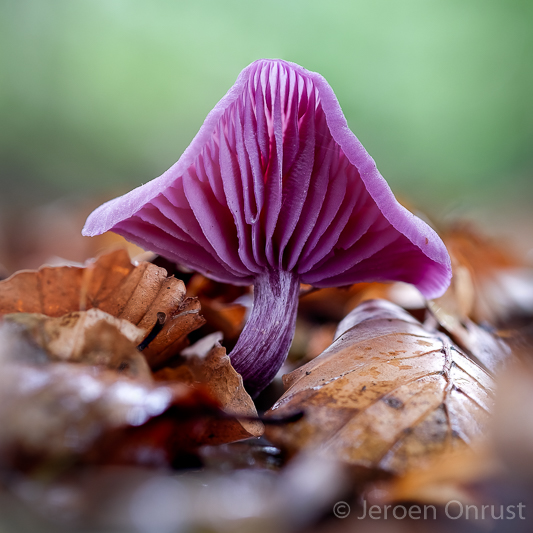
207	362
90	337
387	394
112	284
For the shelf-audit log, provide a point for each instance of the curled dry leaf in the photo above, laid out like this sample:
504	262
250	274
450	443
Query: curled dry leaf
112	284
207	362
387	394
89	337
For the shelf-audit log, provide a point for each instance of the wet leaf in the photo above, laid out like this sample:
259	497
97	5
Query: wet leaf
89	337
54	414
77	401
64	395
112	284
207	362
387	394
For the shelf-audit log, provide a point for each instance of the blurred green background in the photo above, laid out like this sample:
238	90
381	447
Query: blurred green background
98	96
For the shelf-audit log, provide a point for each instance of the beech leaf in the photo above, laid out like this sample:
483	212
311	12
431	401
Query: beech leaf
60	412
387	394
52	409
139	294
486	346
89	337
208	363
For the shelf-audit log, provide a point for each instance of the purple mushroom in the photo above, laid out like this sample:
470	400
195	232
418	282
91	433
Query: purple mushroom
273	191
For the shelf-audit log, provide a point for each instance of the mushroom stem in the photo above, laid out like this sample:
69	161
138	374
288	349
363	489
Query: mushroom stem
266	338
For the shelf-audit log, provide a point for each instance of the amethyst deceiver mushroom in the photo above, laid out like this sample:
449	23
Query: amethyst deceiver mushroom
275	190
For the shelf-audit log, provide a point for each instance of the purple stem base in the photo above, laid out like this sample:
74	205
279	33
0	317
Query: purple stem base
267	336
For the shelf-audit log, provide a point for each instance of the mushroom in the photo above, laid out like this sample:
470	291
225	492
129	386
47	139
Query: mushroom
274	191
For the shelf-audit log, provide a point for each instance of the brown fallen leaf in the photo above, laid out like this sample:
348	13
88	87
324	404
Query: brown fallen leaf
448	477
334	303
486	346
56	414
387	394
89	337
46	397
112	284
490	286
206	362
490	282
94	338
224	307
499	468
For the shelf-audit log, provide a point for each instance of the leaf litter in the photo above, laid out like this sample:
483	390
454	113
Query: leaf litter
420	419
93	397
206	362
114	285
387	394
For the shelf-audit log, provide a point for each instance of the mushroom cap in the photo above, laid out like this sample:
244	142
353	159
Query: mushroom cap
275	180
